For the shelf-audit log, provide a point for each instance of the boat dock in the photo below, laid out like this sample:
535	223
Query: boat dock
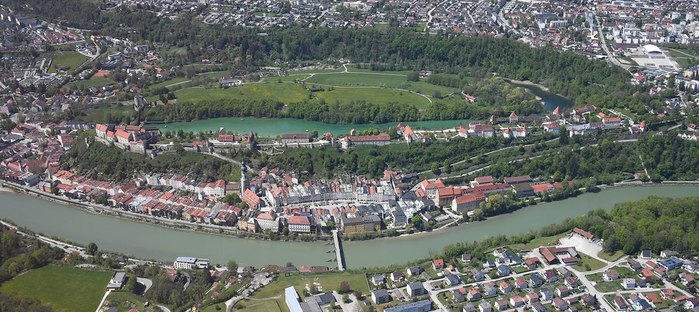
338	251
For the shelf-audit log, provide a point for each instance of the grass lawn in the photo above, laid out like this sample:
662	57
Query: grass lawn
62	288
537	242
125	301
372	95
102	113
271	305
608	286
612	257
592	264
70	59
166	83
283	92
92	82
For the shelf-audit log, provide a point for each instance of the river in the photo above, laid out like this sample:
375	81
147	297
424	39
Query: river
272	127
150	241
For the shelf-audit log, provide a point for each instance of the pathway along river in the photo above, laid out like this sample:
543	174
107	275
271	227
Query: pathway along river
150	241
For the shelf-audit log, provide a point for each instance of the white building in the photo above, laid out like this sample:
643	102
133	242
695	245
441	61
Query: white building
189	263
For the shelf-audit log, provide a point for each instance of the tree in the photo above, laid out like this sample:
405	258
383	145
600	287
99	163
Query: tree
413	76
131	284
232	266
435	168
91	248
344	288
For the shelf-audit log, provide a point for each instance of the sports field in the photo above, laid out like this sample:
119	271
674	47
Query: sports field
63	288
70	59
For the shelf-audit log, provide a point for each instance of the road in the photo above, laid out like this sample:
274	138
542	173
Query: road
593	21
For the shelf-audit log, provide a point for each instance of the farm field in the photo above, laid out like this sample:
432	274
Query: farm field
69	59
63	288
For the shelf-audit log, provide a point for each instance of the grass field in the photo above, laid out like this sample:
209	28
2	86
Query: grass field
274	292
684	57
102	114
540	241
283	92
92	82
373	95
612	257
70	59
166	83
592	263
62	288
125	301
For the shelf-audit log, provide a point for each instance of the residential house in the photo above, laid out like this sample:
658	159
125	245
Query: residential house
571	281
546	294
457	295
415	271
562	291
532	297
481	130
451	280
645	254
485	306
538	307
438	264
516	301
466	257
378	279
610	275
469	307
686	279
521	284
380	296
397	276
620	303
552	127
501	304
535	280
505	287
416	289
628	283
504	270
474	294
467	202
550	276
560	304
522	190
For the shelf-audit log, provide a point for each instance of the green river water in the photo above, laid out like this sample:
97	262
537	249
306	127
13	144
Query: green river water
150	241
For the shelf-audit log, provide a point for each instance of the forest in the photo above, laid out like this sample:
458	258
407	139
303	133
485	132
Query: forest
665	157
108	163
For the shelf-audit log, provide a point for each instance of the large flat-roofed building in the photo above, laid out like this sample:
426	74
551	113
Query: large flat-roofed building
189	263
292	299
117	281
